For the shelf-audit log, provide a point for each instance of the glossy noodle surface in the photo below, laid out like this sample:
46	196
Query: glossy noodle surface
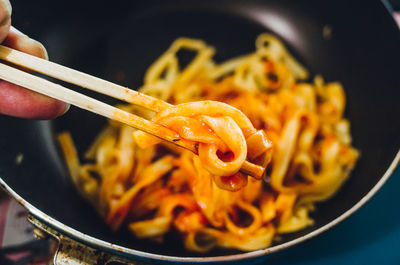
153	187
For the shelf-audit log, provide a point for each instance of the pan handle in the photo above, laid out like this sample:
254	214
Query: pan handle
71	252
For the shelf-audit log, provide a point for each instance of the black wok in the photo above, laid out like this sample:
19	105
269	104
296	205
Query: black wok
103	38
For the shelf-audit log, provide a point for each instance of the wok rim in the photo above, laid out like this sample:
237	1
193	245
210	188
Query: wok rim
124	251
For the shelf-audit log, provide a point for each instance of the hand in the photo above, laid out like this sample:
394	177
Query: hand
15	100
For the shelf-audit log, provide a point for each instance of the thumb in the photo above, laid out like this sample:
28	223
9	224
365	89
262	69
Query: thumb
5	18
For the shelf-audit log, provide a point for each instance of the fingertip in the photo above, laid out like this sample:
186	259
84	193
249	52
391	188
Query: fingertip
50	109
54	110
42	52
66	108
21	42
61	108
45	108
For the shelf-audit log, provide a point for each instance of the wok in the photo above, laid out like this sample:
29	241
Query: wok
103	39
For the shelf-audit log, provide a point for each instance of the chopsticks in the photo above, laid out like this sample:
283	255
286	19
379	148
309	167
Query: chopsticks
81	79
72	76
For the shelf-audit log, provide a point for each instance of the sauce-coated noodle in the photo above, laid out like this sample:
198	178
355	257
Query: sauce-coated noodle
154	187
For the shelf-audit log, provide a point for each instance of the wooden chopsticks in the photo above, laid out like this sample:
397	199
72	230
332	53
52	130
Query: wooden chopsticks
69	75
81	79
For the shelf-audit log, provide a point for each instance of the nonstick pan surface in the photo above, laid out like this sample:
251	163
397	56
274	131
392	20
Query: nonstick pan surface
103	39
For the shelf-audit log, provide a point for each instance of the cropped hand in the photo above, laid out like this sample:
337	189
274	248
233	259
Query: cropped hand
15	100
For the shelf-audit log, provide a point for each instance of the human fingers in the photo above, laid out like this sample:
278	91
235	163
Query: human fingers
21	102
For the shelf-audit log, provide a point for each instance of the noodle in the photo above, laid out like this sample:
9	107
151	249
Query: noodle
255	107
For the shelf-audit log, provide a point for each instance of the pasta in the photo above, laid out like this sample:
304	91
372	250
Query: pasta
153	187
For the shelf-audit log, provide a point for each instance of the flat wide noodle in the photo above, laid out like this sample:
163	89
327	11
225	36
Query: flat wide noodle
220	131
255	107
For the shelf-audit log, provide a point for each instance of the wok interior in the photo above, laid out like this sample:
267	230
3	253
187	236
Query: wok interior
107	41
